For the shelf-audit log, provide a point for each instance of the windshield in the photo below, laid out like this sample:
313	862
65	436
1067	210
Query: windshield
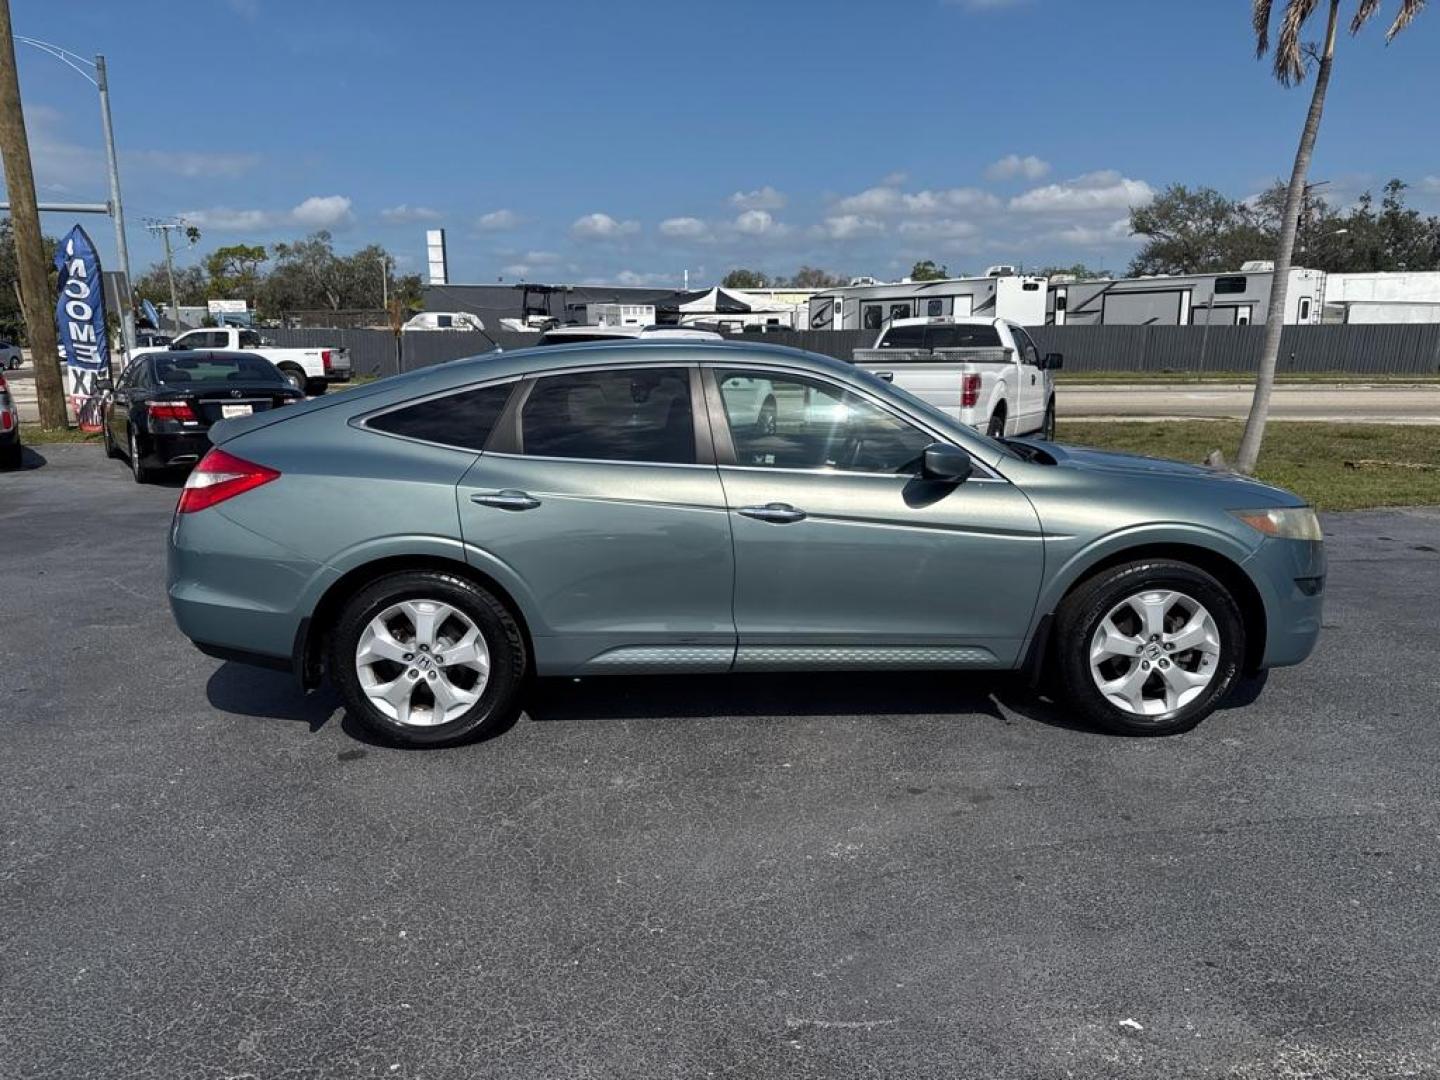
930	412
217	368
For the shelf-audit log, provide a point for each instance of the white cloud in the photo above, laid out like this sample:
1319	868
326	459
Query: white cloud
194	163
759	223
940	228
1105	190
602	227
644	280
316	212
764	198
848	227
323	212
498	221
405	213
685	228
1431	184
887	199
1116	233
1013	165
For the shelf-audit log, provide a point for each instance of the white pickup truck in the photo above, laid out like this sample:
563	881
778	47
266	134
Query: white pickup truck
310	370
984	372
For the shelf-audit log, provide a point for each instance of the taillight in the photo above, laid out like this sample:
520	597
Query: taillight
325	360
179	411
5	422
221	476
969	391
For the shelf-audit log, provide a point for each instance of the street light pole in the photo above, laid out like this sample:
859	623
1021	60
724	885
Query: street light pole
122	248
117	210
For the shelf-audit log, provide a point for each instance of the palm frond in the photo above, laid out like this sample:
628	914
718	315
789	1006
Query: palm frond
1260	19
1289	49
1408	10
1363	12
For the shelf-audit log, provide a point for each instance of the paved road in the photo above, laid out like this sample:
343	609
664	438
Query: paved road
204	874
1419	404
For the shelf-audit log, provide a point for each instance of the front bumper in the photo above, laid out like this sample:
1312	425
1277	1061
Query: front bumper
1290	575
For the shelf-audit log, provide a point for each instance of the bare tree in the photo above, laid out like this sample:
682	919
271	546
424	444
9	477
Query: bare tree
1291	54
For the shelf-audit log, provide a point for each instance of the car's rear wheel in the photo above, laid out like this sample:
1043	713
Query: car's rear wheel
294	375
11	455
996	428
138	469
1149	647
1047	431
315	387
426	658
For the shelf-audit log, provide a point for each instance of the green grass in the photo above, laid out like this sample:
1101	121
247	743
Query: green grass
1321	378
34	434
1333	466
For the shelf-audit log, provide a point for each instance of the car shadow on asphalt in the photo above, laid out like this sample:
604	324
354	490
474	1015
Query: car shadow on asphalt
997	697
30	458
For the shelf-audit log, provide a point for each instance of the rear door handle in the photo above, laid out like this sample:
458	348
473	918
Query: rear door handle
888	376
779	513
509	499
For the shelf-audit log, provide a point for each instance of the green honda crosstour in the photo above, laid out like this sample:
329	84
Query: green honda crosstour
430	542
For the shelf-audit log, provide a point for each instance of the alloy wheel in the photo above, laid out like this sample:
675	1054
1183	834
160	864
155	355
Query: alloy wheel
1155	652
422	663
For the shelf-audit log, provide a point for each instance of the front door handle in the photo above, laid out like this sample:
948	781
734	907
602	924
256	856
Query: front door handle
887	376
779	513
1032	379
509	499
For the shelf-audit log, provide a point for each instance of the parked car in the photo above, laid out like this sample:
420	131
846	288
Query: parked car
986	373
429	541
10	357
158	414
11	452
311	370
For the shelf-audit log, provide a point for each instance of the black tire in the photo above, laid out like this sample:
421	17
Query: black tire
996	428
12	455
765	423
499	699
1079	618
138	469
1047	431
315	387
294	375
111	450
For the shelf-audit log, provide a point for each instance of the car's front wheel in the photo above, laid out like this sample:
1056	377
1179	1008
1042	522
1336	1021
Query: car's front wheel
425	658
1149	647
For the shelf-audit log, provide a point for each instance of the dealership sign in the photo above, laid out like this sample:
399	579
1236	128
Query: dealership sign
80	324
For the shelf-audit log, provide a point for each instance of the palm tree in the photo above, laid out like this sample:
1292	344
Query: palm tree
1290	57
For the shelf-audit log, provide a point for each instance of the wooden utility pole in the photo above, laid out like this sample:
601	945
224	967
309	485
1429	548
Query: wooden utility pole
29	247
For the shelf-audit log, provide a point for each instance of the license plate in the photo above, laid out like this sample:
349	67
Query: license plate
227	411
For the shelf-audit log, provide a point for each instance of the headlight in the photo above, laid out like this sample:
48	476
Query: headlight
1288	523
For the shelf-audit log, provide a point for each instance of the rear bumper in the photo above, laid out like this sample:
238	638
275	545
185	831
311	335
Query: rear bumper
1290	575
175	448
236	595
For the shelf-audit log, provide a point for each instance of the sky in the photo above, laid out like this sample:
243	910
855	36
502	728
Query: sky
630	141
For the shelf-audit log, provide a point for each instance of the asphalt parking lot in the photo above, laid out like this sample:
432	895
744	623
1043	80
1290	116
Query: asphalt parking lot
204	874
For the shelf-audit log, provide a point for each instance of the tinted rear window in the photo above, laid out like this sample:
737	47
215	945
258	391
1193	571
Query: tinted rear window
639	414
464	419
904	337
216	369
940	336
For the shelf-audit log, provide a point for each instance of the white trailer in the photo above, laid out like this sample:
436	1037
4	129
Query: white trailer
1018	298
1241	298
1393	297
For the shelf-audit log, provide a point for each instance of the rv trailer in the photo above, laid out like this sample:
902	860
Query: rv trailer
1235	299
1018	298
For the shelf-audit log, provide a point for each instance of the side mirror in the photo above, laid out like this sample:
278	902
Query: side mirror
947	463
1054	361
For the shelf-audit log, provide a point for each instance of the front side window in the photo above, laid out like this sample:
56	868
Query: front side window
1029	354
464	419
634	414
794	422
249	339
